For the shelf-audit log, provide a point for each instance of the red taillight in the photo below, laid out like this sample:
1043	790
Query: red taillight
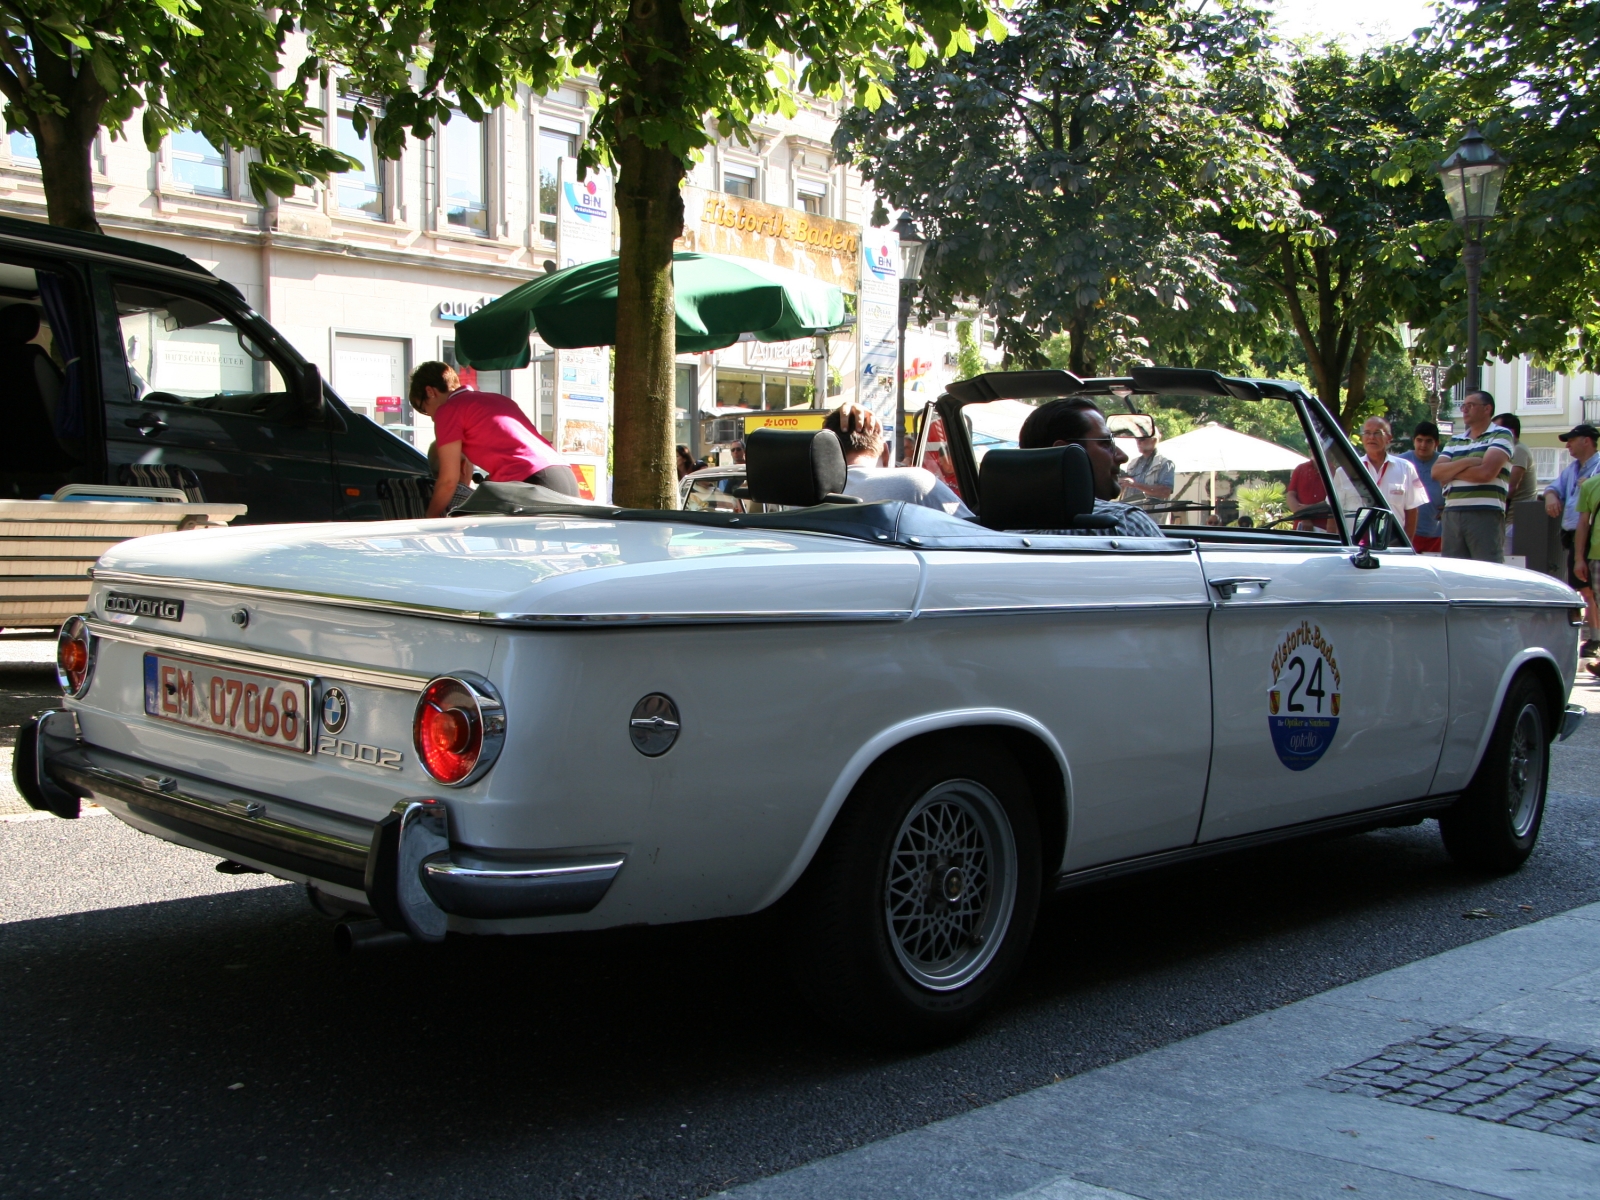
74	657
457	729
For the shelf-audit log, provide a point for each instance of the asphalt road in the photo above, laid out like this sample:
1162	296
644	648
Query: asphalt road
169	1031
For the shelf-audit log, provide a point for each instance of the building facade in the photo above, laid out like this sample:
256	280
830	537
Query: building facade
369	274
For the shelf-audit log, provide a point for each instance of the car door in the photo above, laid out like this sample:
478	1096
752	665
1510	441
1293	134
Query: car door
203	394
1329	675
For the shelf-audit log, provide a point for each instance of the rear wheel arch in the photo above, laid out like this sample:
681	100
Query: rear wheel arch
1028	742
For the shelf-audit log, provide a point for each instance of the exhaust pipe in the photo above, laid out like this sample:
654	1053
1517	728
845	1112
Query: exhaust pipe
350	936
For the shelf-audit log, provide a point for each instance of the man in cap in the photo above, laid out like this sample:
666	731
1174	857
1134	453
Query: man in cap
1150	476
1561	500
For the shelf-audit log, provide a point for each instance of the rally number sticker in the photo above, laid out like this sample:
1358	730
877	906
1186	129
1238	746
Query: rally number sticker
1303	701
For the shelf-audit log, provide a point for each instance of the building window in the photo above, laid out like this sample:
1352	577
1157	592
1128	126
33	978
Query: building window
554	145
1541	384
813	197
24	147
462	176
739	180
360	193
197	165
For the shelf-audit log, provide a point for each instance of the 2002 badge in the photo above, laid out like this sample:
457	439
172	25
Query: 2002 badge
1303	701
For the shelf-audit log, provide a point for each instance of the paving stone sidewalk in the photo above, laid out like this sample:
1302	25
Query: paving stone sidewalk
1474	1073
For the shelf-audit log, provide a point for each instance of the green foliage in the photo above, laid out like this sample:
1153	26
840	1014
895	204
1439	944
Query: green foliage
1073	178
1264	503
1342	294
969	359
1524	71
69	68
732	64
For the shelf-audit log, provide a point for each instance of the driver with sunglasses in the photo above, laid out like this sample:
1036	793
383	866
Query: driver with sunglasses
1079	421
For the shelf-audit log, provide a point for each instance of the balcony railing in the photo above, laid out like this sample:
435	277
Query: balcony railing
1591	409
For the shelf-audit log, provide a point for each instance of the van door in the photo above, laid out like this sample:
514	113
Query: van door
204	396
47	361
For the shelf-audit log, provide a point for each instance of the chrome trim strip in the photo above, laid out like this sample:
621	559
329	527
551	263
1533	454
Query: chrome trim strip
535	620
1511	602
1371	818
487	889
704	618
255	591
1009	610
240	656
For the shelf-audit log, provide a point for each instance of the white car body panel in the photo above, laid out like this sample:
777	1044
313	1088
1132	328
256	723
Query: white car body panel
797	660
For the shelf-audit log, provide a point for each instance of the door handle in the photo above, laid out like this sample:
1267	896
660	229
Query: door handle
1227	587
150	424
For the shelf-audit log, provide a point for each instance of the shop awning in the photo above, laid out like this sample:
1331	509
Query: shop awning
718	299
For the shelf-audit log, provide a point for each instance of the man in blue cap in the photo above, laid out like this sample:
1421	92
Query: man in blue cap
1561	500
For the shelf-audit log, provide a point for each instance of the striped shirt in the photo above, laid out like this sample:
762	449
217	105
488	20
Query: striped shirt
1460	493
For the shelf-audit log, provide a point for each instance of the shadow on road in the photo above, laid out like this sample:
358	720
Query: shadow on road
643	1062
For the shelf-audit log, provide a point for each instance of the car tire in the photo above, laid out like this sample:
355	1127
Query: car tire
1494	826
919	905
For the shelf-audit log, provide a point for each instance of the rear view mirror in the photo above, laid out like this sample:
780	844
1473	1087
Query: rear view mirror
309	392
1134	425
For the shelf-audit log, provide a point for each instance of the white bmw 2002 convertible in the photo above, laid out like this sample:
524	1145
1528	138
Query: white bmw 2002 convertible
519	721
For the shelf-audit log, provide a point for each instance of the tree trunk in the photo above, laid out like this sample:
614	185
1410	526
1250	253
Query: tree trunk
650	210
1355	395
650	214
66	170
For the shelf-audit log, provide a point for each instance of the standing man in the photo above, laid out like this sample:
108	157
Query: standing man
1524	479
1561	500
1475	471
1424	449
1396	478
1150	476
1306	491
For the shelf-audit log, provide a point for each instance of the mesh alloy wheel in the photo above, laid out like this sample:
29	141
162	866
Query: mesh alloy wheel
951	886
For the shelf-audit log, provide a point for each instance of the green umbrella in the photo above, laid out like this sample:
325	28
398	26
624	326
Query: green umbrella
718	298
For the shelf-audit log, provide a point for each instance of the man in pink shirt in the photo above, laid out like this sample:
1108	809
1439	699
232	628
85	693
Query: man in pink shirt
489	430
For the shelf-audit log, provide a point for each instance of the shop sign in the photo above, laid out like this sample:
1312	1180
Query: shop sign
386	404
798	355
783	420
879	319
583	214
460	310
825	249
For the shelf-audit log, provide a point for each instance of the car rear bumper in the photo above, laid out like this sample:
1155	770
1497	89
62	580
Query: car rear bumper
413	876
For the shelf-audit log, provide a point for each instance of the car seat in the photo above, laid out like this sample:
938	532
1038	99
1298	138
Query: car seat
1052	488
32	388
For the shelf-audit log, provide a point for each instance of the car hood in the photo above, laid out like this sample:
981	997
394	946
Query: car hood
556	568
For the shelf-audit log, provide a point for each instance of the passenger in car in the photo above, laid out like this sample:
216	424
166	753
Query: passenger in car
1080	421
869	477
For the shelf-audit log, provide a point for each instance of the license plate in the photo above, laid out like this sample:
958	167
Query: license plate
268	710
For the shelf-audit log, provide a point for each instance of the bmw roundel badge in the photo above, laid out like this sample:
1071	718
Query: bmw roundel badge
335	709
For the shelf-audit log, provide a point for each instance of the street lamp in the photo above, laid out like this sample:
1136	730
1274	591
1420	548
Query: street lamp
1471	178
913	246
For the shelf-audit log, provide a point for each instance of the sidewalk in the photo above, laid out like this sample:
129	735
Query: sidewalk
1470	1074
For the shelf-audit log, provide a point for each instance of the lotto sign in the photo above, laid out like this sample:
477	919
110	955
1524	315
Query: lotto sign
1303	700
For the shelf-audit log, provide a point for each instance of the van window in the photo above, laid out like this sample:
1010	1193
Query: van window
44	401
180	350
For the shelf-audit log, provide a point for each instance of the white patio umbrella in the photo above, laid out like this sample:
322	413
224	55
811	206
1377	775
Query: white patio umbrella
1213	448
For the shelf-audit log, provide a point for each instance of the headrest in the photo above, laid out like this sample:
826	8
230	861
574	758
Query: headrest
798	468
1051	488
19	323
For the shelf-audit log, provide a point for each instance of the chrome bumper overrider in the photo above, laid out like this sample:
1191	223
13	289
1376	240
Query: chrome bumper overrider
1570	721
414	878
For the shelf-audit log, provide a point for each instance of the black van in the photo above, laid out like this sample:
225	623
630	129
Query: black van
130	364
